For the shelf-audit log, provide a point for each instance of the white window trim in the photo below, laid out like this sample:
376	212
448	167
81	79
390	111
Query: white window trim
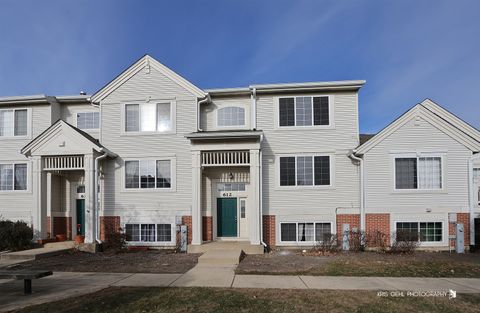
441	243
233	126
297	187
29	124
301	243
173	183
170	243
331	113
173	118
89	129
29	180
442	157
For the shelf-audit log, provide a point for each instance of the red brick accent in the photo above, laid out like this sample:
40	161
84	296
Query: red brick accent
62	225
49	234
109	225
378	222
207	228
269	230
462	218
187	220
352	219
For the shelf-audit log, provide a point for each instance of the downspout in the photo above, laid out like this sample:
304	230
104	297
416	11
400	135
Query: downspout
352	156
97	200
471	195
253	96
260	194
198	111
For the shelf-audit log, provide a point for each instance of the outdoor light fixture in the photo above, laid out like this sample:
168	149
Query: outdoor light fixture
230	175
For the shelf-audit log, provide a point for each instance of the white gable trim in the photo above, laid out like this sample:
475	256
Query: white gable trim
433	118
135	68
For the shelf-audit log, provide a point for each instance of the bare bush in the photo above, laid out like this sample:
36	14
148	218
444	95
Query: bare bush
356	240
116	241
328	244
378	240
405	242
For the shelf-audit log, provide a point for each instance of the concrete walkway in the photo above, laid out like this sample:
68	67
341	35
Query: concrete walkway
49	249
62	285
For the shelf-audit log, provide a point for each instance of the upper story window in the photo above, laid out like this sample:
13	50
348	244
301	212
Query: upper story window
148	117
418	173
13	176
88	120
231	116
305	170
148	174
13	122
304	111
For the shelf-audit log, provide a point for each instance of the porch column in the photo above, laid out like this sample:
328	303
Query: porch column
255	218
89	167
196	198
49	203
39	214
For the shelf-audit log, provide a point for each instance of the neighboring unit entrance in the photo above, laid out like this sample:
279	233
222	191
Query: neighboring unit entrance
80	208
227	217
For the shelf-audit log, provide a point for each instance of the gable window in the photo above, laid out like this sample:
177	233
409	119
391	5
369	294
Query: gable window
13	176
148	117
231	116
13	122
304	111
147	174
305	170
421	231
418	173
305	232
88	120
148	232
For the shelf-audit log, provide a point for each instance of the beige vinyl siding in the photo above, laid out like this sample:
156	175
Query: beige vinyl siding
423	137
208	113
69	114
336	140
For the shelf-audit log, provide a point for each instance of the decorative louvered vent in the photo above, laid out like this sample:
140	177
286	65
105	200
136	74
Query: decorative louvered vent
68	162
222	158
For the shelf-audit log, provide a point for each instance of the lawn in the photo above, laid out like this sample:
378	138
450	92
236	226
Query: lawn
150	261
252	300
419	264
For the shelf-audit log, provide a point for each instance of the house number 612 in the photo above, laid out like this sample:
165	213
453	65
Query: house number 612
227	194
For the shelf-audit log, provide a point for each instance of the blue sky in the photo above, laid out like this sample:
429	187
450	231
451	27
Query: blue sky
406	50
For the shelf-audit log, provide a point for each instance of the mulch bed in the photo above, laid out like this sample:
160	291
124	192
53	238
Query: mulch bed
149	261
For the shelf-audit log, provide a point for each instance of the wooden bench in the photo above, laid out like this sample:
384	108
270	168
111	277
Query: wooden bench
26	275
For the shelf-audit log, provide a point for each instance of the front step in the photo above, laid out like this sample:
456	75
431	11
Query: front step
220	257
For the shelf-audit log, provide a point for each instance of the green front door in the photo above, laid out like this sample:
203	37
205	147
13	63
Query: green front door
80	216
227	217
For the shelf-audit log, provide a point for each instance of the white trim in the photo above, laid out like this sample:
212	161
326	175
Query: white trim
173	234
29	177
173	118
243	126
296	222
29	123
445	231
331	113
173	178
88	129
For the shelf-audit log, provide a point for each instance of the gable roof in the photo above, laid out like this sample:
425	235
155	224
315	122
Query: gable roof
142	63
51	131
435	115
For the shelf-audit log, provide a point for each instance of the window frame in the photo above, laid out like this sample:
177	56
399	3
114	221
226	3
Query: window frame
331	122
29	123
296	222
173	105
425	243
28	180
89	129
442	157
173	182
151	243
313	186
233	126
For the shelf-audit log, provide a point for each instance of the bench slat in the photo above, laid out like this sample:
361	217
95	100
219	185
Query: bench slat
24	274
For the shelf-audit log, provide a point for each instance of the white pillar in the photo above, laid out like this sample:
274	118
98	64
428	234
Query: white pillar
89	198
255	218
196	199
49	203
38	213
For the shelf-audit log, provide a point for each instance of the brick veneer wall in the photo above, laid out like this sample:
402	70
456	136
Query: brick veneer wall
269	230
62	225
352	219
187	220
207	228
109	225
462	218
378	222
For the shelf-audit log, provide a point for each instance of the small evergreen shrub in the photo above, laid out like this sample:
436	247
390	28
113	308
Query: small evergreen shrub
15	235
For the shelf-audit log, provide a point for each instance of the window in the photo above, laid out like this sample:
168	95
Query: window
305	232
13	122
13	176
146	174
243	208
148	117
231	187
418	173
88	120
422	231
231	116
148	232
304	171
304	111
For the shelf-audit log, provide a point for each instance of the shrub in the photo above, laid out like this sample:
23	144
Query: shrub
377	239
405	242
15	235
357	240
116	241
329	244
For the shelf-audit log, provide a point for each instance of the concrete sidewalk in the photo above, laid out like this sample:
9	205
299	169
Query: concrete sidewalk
62	285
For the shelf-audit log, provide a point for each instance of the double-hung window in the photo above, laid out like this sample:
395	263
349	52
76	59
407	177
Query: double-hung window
305	232
420	231
418	173
305	170
88	120
13	122
13	176
304	111
148	232
231	116
146	174
148	117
